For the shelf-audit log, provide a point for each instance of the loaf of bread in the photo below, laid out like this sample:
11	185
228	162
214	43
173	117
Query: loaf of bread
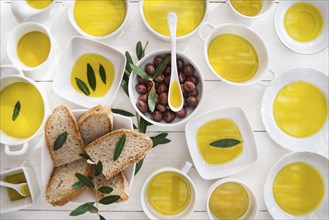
59	189
62	120
118	183
102	149
95	123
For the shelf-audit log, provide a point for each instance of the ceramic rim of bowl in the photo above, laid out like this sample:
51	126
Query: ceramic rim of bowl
133	93
70	14
259	15
167	38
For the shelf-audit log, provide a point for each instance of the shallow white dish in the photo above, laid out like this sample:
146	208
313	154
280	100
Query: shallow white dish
246	159
133	95
119	122
319	162
76	47
312	143
315	46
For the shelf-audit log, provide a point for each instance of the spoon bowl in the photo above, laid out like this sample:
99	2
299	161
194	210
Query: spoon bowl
21	188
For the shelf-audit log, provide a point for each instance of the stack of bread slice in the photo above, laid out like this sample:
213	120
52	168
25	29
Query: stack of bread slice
93	134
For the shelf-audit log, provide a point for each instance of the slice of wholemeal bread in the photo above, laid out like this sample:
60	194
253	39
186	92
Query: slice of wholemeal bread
62	120
102	149
118	183
59	189
95	123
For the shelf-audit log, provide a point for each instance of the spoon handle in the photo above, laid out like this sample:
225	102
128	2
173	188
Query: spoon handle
172	21
5	184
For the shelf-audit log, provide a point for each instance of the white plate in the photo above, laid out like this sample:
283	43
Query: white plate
246	159
76	47
316	160
315	46
313	143
47	164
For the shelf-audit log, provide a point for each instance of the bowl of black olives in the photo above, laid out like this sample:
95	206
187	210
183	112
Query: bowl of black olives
190	79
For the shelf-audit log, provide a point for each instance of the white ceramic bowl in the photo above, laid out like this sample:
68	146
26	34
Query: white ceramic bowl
23	11
14	39
167	38
266	8
315	46
252	208
76	47
246	159
312	143
134	95
73	22
119	122
9	206
248	34
9	75
320	163
150	213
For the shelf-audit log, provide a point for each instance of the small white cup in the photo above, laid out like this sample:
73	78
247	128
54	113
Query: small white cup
167	38
10	75
252	37
267	5
252	208
14	39
73	22
152	214
9	206
23	11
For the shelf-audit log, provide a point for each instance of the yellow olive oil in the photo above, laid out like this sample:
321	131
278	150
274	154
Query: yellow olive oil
229	201
175	97
216	130
189	15
303	22
79	70
31	112
39	4
247	7
33	48
99	17
17	179
168	193
233	57
298	188
300	109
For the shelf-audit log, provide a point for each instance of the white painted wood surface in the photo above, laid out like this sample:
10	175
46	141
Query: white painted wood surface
218	95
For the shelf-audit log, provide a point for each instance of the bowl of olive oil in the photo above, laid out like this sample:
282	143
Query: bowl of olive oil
251	9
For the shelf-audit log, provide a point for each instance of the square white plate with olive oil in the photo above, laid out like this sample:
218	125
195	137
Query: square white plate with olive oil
89	73
213	170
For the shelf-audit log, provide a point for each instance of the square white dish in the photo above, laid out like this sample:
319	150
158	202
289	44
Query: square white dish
247	158
119	122
76	47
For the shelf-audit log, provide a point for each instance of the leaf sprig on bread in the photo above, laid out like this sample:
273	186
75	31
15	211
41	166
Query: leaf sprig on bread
92	183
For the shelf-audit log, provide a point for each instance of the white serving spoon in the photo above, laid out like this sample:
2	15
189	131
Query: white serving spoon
175	95
18	187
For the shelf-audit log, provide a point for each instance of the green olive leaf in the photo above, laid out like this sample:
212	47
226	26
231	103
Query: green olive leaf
152	98
101	217
140	72
60	140
128	62
225	143
122	112
161	67
142	125
92	209
105	189
85	180
85	155
91	77
99	168
109	199
102	73
78	185
160	139
81	209
139	50
119	147
139	165
82	86
16	111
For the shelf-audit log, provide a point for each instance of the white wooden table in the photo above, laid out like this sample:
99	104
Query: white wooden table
218	95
